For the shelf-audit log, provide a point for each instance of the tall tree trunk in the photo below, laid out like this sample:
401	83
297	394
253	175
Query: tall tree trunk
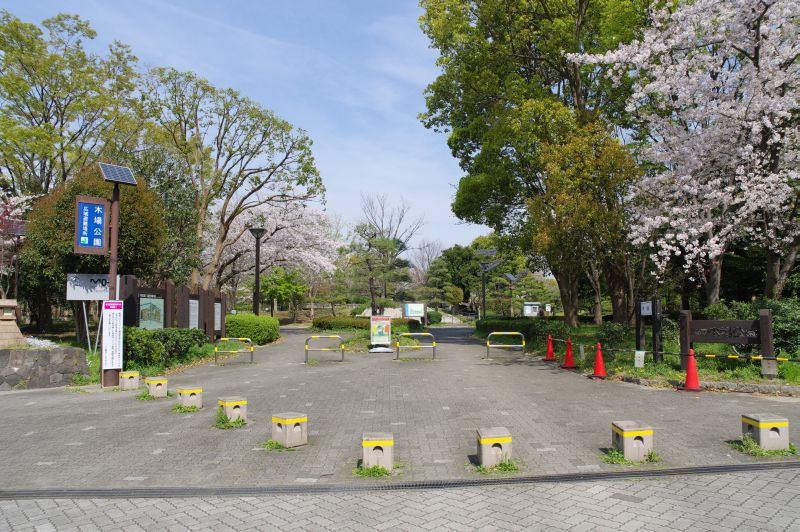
373	296
42	313
568	291
713	280
80	324
779	268
616	281
593	274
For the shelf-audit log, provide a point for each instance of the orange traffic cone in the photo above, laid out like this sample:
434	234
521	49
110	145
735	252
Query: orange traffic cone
692	383
549	356
599	367
569	362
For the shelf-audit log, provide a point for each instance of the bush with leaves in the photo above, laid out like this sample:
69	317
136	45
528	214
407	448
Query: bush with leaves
260	329
785	318
161	348
434	316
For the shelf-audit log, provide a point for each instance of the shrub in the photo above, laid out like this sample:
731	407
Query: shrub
534	329
161	347
613	334
331	323
260	329
358	310
434	316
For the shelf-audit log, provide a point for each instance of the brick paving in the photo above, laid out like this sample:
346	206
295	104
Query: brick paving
559	420
740	501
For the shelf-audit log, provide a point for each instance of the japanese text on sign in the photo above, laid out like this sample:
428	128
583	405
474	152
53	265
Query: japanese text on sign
112	335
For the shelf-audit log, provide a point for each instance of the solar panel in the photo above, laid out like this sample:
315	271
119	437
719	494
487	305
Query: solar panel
117	174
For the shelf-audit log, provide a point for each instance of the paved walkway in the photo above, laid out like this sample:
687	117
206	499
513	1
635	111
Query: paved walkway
560	421
741	501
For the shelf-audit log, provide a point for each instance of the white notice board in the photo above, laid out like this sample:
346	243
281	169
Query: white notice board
112	335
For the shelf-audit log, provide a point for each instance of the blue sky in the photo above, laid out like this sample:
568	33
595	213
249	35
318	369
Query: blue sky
351	73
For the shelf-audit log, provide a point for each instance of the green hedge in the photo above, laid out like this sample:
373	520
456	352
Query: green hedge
331	323
785	318
161	347
434	316
260	329
534	329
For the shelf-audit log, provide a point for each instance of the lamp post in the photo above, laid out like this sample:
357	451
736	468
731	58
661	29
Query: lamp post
511	280
257	233
485	268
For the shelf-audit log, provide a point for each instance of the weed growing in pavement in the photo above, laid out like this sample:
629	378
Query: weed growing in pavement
144	395
748	445
272	445
374	471
180	409
652	457
615	456
506	465
223	423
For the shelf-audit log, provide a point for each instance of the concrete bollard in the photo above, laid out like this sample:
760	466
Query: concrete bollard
377	450
633	438
770	432
290	429
234	407
494	446
190	396
156	386
128	380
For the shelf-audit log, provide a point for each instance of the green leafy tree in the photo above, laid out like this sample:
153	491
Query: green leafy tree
47	254
284	286
507	90
58	102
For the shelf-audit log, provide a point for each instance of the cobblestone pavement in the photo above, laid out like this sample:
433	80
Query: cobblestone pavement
559	420
740	501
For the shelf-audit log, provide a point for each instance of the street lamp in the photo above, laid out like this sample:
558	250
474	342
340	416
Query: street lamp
511	280
257	233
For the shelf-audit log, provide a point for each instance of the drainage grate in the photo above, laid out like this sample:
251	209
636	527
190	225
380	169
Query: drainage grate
184	492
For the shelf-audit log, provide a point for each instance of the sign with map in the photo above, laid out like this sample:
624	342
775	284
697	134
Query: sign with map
151	312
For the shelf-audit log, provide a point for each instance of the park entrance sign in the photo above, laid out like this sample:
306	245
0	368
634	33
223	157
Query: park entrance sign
91	225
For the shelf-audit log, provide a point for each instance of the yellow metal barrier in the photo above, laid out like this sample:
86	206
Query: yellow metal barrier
432	345
316	337
251	347
489	343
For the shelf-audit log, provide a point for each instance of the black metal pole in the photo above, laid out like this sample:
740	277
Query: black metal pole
483	292
257	289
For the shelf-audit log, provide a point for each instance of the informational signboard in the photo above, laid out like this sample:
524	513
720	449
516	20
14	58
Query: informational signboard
548	308
530	309
638	359
380	330
91	225
151	312
194	314
414	310
88	286
646	308
217	317
112	334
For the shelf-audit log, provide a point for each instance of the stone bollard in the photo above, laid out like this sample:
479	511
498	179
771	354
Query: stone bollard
633	438
234	407
290	429
494	446
770	432
128	380
156	386
190	396
377	450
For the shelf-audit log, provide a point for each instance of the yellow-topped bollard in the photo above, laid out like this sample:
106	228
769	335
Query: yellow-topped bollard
156	386
377	450
290	429
190	396
128	380
234	407
494	446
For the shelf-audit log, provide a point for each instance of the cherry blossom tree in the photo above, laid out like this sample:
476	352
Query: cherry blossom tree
717	92
297	237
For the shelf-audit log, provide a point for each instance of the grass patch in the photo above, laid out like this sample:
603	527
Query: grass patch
312	362
76	390
181	409
506	465
144	395
272	445
222	422
371	472
615	456
748	445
